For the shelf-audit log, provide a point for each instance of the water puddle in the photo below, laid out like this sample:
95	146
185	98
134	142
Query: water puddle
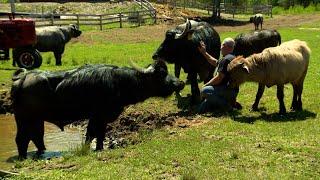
55	141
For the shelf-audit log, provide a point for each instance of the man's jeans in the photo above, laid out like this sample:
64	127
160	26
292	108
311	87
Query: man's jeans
217	98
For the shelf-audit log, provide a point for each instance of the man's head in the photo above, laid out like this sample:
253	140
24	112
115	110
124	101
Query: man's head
227	46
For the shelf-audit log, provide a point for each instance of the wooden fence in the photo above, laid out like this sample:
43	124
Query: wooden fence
187	4
136	18
225	8
263	9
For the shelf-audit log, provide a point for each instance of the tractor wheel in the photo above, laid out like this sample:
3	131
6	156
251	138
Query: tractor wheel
28	58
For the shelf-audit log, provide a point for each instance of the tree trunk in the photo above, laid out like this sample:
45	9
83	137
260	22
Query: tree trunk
216	9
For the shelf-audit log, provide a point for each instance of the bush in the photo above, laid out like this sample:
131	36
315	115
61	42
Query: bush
296	9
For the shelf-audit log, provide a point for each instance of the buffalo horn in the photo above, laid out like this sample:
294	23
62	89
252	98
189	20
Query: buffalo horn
137	67
186	29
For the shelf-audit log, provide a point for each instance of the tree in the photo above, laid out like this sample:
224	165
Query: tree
216	9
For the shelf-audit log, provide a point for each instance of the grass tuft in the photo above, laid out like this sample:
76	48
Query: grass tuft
82	150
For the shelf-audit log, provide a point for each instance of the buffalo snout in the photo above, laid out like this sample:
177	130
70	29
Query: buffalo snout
174	83
77	33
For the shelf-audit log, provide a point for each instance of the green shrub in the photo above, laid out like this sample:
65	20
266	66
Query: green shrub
277	10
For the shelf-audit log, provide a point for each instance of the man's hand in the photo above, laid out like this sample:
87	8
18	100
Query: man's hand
202	48
205	85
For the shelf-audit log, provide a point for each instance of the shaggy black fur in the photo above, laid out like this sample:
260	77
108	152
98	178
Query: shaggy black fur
95	92
181	48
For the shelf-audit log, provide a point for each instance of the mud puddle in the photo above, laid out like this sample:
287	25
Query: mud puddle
55	140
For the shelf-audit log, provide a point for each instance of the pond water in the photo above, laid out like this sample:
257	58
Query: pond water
54	139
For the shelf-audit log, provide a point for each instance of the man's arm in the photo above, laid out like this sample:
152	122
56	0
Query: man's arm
215	80
202	48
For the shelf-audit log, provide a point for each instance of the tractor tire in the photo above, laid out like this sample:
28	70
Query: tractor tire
28	58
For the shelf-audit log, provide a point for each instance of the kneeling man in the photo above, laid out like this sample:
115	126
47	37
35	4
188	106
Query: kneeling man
215	93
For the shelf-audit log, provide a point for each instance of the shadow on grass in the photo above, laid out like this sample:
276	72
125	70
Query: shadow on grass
276	117
188	110
221	21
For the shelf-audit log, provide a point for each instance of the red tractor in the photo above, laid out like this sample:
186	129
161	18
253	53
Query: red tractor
20	35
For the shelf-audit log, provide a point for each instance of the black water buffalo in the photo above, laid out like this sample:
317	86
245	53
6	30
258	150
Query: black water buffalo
95	92
54	38
256	20
181	48
255	42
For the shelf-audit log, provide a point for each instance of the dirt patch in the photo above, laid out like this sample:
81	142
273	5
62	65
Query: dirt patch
131	127
157	32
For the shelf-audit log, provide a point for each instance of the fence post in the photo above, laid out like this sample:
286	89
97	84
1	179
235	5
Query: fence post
100	22
233	11
271	11
120	15
78	20
155	17
138	16
52	19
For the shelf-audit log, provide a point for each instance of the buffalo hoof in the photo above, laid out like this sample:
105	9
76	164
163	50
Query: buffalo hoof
39	152
237	106
254	107
295	109
97	150
282	112
99	147
22	157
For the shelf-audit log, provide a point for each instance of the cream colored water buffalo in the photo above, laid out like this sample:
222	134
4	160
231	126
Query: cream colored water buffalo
287	63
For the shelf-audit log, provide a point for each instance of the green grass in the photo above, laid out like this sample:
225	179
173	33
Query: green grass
237	145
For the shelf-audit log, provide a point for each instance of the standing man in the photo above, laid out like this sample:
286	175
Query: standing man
215	92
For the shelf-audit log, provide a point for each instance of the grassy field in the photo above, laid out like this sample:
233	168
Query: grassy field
237	145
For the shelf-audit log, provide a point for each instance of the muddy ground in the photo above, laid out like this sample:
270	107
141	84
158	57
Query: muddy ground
124	131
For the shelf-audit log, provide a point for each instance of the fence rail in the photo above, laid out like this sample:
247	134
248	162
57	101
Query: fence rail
133	17
144	4
227	8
